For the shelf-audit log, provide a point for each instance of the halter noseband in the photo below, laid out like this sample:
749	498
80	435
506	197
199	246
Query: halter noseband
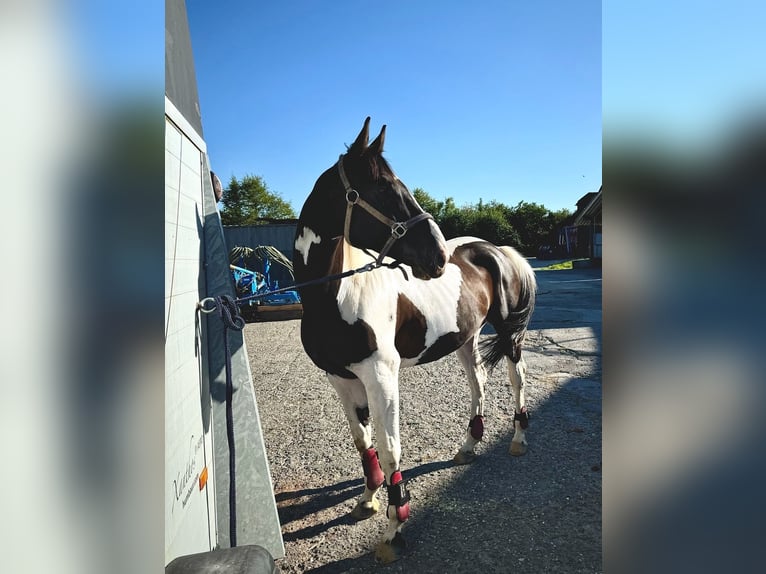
398	228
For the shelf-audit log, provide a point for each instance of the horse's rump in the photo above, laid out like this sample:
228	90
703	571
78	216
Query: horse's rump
513	298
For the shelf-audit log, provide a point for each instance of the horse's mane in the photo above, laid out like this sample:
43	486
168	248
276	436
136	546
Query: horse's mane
380	168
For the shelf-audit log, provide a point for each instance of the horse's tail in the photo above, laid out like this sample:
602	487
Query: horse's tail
510	323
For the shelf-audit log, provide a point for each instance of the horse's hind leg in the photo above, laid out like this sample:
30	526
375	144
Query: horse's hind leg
517	373
354	399
477	376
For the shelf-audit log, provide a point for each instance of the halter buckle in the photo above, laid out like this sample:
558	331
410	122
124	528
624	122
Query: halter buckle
398	230
352	196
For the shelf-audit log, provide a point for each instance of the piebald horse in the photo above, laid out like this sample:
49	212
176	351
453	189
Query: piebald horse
425	298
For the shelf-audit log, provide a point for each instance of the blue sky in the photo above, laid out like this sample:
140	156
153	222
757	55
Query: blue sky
493	99
684	71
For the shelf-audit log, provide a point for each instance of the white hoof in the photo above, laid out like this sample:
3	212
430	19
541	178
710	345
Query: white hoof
463	457
518	448
387	552
365	510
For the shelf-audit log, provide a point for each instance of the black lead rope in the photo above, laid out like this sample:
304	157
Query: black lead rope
229	314
326	279
368	267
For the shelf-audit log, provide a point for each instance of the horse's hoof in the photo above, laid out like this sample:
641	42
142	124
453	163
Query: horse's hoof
463	457
365	510
518	449
388	552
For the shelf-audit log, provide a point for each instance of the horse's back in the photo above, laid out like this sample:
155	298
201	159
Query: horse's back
456	242
518	263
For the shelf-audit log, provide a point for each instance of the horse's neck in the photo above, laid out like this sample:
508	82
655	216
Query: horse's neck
353	258
321	249
333	255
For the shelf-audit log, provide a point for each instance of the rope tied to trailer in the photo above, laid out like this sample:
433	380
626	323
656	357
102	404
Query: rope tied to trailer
228	311
372	266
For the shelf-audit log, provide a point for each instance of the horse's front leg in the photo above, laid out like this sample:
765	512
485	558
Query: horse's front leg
354	399
381	381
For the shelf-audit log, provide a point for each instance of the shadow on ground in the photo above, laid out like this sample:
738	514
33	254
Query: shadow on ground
299	504
537	513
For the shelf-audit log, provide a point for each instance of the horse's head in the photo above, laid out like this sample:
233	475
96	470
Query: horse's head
382	214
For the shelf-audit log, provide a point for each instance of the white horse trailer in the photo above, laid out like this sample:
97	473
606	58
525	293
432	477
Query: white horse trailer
196	267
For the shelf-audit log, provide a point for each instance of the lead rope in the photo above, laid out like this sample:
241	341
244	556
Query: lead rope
229	314
363	269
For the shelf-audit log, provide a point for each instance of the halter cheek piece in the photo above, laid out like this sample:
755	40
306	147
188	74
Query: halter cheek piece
398	228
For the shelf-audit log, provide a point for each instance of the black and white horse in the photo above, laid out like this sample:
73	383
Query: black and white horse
426	298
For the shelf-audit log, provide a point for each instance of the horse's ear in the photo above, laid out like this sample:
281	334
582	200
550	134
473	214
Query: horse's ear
376	147
360	143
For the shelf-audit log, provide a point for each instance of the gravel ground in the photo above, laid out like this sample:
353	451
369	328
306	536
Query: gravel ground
537	513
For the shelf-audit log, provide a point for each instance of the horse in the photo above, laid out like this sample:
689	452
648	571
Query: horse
387	291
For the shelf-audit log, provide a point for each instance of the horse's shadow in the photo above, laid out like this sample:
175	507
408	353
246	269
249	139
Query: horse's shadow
326	497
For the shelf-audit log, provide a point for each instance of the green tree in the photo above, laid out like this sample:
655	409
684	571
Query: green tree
525	226
490	224
247	200
484	220
533	225
428	203
557	219
455	222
